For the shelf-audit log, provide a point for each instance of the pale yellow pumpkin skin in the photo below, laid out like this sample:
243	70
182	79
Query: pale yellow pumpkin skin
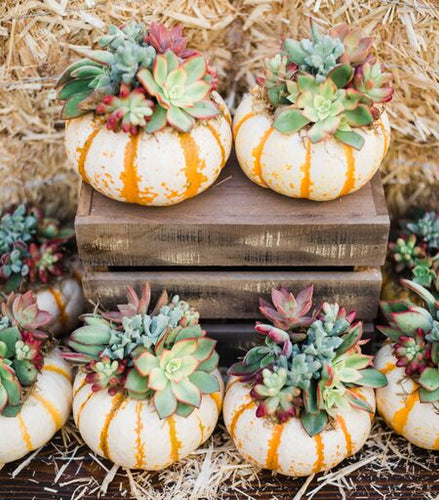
158	169
293	166
399	405
287	448
64	300
44	412
130	433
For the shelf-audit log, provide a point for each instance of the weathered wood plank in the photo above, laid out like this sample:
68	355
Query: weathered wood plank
235	223
234	294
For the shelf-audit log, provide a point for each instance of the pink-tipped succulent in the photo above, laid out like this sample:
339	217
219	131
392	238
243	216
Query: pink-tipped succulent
45	261
163	39
373	83
23	311
106	374
288	312
413	353
128	112
356	47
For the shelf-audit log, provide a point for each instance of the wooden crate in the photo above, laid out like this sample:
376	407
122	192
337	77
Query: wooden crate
232	244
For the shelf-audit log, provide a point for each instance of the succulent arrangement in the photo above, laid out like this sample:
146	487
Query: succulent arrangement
309	364
414	251
328	85
32	247
414	331
162	355
140	79
23	344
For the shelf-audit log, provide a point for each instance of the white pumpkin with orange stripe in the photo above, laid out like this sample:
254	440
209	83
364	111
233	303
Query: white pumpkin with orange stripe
287	448
44	412
400	407
64	300
130	433
157	169
295	167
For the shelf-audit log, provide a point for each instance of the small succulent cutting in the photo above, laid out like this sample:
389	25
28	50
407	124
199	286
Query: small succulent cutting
23	344
310	364
414	251
414	331
328	85
32	247
140	80
162	355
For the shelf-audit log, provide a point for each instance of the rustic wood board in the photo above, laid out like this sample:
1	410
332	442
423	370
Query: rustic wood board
235	223
235	294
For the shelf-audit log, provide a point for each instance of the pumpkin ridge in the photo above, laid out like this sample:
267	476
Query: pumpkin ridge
319	463
201	427
129	176
24	433
399	419
257	153
389	367
220	144
81	408
83	152
349	445
81	386
305	184
273	446
350	171
193	165
385	137
236	416
58	370
57	295
217	399
103	442
140	451
53	412
175	442
241	122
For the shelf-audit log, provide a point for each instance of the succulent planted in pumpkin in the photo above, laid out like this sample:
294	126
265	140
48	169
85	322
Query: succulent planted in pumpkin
356	46
414	331
23	342
32	247
181	91
163	355
111	82
310	371
277	78
373	83
404	252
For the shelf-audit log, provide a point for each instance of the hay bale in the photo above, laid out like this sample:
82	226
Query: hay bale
37	40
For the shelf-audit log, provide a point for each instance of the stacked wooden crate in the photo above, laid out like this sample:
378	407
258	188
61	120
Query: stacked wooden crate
227	247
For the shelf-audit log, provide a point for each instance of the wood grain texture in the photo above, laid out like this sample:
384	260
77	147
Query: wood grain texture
235	294
235	223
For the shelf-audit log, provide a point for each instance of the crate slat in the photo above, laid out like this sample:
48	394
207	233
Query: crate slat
234	294
235	223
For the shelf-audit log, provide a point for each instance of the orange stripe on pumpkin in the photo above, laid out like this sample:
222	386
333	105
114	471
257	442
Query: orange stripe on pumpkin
175	442
220	144
58	370
201	427
241	122
81	408
51	410
129	176
115	406
83	152
319	463
194	165
436	444
81	386
349	447
305	168
24	433
236	416
273	446
389	367
399	419
140	447
385	137
257	153
63	316
216	396
350	170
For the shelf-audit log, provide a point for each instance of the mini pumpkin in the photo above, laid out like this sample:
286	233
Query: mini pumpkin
35	381
35	254
410	361
307	393
315	126
145	124
149	392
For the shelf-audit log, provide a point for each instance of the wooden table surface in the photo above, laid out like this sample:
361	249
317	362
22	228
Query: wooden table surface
411	474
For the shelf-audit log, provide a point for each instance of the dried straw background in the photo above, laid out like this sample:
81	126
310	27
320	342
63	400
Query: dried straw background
37	38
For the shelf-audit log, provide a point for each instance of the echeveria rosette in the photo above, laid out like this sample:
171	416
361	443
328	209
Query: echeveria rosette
277	80
181	91
373	83
404	252
310	371
427	229
163	39
414	331
356	46
23	343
